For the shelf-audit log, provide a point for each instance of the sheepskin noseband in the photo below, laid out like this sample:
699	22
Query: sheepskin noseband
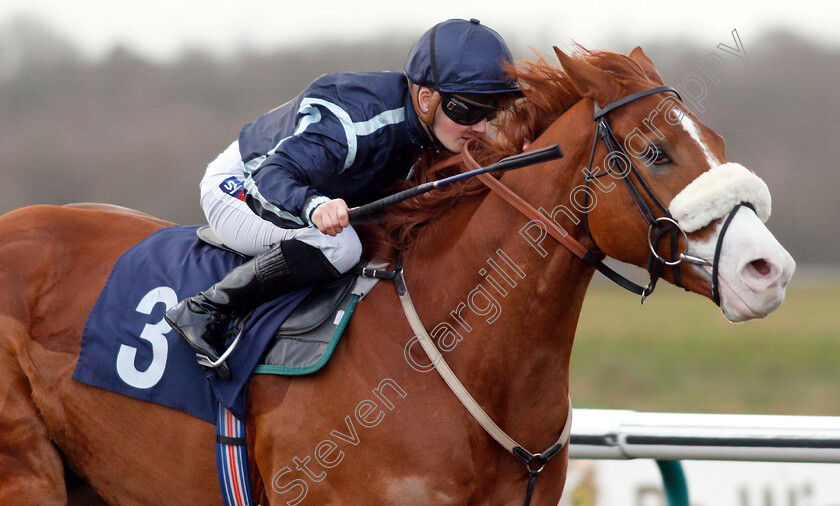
715	193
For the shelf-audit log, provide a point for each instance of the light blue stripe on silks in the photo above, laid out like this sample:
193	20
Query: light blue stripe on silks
346	123
311	115
380	120
351	129
251	187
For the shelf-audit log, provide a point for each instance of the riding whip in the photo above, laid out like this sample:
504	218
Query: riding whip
511	162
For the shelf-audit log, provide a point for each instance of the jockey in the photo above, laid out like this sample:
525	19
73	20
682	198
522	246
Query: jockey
280	193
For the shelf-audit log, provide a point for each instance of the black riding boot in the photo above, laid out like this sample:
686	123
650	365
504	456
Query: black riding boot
203	319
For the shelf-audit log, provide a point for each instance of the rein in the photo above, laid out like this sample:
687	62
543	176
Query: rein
578	249
572	244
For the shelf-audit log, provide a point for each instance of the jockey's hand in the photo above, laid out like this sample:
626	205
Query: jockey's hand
331	217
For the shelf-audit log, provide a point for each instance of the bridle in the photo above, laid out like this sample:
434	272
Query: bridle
658	226
660	222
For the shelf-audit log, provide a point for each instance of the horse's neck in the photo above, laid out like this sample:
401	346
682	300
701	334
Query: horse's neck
515	310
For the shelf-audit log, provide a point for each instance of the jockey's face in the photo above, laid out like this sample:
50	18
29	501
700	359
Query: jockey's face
452	135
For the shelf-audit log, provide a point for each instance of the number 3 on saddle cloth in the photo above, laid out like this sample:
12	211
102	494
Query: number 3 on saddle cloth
128	348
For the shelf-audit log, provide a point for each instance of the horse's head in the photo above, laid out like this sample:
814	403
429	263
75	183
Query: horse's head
659	191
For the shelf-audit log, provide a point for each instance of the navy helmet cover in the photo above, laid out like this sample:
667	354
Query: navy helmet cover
460	56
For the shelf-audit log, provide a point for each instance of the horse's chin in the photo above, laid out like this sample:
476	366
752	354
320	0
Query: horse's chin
740	309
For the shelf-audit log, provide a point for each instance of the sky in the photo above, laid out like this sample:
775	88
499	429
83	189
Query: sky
163	29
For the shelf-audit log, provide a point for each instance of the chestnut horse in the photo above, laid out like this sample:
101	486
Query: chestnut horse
375	426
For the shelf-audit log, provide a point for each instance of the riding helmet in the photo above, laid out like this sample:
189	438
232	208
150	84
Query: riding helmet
460	56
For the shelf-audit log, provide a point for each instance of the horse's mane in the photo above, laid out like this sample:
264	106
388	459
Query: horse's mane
548	93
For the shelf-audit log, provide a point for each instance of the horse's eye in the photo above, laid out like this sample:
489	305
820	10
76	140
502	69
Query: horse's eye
659	156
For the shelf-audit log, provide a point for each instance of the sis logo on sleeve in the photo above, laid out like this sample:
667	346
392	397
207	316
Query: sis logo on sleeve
234	187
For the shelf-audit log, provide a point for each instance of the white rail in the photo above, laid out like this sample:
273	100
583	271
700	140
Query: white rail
618	434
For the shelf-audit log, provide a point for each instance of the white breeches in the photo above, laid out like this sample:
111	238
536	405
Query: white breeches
241	229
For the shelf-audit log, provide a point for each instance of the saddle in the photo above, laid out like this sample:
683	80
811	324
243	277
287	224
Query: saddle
305	341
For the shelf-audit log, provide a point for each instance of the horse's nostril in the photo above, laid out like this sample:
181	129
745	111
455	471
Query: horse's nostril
761	266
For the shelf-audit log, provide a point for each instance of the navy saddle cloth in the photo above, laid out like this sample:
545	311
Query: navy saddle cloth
128	348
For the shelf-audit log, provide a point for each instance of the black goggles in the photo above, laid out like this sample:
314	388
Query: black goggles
466	110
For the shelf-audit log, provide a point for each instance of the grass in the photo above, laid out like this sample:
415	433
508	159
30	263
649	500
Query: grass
677	353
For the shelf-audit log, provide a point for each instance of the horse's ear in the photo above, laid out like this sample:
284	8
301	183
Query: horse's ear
588	80
639	56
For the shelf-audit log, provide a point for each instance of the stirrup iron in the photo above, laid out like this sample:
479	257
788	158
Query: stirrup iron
220	365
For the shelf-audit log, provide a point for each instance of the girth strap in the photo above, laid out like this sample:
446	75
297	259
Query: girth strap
232	459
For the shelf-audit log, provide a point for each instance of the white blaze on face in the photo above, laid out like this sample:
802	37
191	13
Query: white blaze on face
753	268
691	127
